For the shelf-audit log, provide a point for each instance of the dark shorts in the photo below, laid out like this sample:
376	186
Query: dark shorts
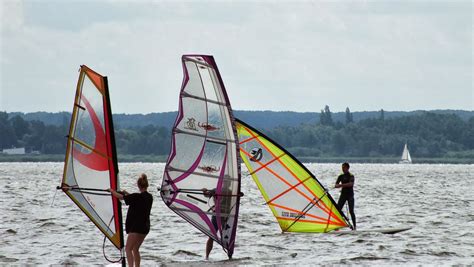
136	228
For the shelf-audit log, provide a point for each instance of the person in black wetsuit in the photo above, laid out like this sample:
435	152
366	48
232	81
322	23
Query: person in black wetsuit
137	224
210	242
346	182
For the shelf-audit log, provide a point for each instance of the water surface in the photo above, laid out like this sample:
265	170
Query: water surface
436	200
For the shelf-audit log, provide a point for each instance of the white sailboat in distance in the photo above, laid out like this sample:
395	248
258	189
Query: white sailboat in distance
406	158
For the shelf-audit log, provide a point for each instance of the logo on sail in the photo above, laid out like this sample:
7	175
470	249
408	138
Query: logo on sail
257	154
208	127
209	169
191	124
291	215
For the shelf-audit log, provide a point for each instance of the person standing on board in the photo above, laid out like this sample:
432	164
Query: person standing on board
210	242
137	224
346	182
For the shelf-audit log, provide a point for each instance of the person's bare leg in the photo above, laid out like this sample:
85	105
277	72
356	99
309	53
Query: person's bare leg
129	249
136	249
209	245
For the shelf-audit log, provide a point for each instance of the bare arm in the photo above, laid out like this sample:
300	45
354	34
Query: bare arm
117	194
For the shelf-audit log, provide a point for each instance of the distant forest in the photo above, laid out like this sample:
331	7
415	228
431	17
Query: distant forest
440	133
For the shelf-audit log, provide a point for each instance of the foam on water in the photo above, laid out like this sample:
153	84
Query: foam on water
436	200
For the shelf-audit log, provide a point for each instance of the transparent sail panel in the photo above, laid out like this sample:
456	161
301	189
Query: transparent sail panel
204	156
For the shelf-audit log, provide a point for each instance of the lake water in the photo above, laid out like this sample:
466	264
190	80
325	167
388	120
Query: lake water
436	200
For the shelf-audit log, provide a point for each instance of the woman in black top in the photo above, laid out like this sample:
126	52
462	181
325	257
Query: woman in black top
137	224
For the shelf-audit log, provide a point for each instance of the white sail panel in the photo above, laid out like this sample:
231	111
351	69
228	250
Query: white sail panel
91	163
204	155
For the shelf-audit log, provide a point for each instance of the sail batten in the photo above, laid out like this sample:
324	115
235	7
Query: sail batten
204	155
298	201
91	162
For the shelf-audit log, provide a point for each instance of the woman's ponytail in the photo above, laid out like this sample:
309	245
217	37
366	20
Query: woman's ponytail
143	181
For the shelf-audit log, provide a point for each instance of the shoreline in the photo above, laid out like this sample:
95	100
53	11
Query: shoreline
163	158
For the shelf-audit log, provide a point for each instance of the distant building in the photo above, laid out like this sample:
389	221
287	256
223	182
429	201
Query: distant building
14	151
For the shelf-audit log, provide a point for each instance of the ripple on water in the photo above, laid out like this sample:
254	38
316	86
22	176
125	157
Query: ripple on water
5	259
409	252
186	253
47	224
442	253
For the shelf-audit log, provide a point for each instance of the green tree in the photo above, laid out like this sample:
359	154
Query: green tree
20	126
348	116
326	117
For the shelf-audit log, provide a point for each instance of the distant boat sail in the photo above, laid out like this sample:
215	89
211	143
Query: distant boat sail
204	155
406	158
299	202
90	165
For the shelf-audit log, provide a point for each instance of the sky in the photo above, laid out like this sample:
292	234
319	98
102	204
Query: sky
272	55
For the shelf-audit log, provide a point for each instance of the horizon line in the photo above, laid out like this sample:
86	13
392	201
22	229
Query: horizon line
266	110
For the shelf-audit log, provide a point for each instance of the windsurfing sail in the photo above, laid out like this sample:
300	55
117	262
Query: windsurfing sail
90	165
299	202
204	155
406	158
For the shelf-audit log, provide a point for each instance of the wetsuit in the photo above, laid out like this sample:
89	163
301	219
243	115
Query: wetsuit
347	194
138	215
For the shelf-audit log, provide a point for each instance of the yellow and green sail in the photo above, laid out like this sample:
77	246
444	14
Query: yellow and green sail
296	198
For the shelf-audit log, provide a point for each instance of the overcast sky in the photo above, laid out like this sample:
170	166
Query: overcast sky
272	55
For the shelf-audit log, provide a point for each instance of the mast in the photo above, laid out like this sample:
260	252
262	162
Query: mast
111	128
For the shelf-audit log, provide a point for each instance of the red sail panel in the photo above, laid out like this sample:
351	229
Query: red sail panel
91	162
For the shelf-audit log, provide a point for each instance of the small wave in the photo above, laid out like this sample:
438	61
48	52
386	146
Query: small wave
233	260
363	258
10	231
6	259
185	252
443	253
68	262
47	224
409	252
274	247
77	256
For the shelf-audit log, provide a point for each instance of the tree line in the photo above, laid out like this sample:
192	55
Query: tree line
427	134
35	135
